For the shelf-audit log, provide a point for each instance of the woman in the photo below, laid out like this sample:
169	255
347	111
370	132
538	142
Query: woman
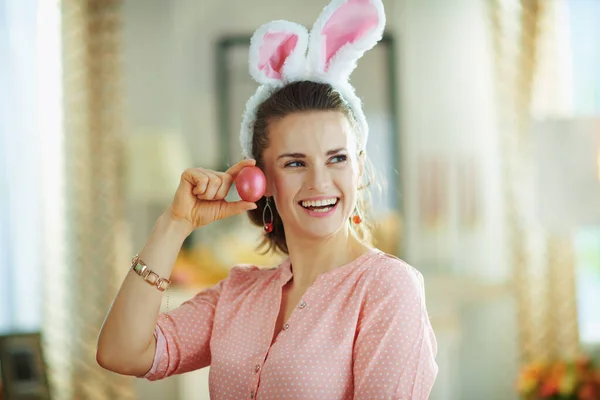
338	319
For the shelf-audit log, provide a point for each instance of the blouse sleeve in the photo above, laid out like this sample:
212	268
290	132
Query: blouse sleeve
183	336
395	347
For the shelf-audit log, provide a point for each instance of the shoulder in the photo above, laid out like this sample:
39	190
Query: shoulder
249	273
391	274
392	287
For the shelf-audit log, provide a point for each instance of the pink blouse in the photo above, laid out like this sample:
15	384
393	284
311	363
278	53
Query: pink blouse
361	331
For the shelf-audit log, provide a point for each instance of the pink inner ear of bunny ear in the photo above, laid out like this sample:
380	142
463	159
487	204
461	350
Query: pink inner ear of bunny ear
275	49
350	22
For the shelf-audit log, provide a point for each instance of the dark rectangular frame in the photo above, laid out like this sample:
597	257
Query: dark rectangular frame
28	345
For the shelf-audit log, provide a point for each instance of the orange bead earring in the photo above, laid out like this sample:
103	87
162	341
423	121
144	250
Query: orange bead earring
356	217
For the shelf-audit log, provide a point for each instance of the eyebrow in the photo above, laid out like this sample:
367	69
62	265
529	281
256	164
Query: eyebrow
301	155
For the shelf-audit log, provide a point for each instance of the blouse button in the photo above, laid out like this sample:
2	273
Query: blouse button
252	394
303	304
256	368
285	327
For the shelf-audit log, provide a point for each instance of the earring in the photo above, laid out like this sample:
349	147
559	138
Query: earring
267	226
356	218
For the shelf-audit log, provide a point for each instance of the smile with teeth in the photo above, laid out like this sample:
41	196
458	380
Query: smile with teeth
320	205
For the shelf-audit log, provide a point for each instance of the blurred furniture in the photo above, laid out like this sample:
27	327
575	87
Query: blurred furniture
23	368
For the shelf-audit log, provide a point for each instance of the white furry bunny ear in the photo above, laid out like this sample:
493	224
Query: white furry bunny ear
278	52
341	35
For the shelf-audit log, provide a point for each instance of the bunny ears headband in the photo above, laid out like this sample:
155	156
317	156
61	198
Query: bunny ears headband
283	52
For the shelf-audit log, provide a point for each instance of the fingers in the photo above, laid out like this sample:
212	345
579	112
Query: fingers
237	167
207	184
236	207
226	182
196	179
212	185
199	186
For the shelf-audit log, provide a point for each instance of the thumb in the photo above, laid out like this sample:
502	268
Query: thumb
237	207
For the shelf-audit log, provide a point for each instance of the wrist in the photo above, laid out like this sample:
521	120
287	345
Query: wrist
178	227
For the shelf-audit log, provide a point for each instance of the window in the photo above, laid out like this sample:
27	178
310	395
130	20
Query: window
30	132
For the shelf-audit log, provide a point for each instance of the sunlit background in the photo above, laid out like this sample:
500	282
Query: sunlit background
485	128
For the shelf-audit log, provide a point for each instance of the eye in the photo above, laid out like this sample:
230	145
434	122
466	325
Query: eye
339	158
293	164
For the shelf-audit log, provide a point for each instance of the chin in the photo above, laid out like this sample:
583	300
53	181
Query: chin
322	232
321	227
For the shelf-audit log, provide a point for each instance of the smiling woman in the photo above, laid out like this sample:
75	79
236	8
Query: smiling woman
337	318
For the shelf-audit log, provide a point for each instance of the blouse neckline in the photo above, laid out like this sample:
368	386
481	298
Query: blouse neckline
286	273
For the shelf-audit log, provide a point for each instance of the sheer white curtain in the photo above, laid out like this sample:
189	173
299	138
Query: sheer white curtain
29	117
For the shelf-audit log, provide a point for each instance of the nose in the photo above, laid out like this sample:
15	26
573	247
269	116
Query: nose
319	179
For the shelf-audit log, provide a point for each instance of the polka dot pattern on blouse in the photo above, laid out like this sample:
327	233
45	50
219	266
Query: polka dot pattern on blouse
360	331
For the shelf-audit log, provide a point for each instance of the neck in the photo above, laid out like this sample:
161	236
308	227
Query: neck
311	257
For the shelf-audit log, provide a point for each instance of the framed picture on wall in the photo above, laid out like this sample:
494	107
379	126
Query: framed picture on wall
22	367
375	82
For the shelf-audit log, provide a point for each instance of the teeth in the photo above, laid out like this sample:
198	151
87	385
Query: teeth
319	203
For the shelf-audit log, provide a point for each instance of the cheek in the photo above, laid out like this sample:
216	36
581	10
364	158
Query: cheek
348	178
348	185
287	185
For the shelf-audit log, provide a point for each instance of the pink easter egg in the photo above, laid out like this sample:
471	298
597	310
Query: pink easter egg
251	184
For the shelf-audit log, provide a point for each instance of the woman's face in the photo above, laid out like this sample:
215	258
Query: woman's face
312	172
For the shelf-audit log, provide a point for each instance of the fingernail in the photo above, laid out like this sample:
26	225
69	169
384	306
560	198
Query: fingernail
253	207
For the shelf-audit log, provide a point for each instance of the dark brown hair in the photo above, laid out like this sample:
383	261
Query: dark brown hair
299	97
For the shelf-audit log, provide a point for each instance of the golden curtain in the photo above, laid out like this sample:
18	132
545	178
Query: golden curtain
543	265
79	294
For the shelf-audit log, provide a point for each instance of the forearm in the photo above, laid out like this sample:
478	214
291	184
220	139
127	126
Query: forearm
126	341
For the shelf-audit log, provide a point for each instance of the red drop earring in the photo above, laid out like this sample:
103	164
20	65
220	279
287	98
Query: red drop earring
267	226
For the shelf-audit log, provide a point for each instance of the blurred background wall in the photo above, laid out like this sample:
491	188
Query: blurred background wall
485	127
